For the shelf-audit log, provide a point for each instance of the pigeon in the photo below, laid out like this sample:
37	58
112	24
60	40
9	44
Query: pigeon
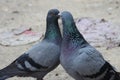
41	58
81	60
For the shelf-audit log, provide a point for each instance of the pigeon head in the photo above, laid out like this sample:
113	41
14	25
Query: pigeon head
52	28
68	22
67	18
69	27
52	15
72	38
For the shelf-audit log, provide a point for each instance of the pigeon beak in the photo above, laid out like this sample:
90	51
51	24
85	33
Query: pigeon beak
59	15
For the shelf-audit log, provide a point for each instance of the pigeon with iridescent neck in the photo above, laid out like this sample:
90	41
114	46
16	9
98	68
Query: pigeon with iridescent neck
42	58
79	58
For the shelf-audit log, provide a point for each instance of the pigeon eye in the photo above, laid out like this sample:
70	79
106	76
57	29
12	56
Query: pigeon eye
52	14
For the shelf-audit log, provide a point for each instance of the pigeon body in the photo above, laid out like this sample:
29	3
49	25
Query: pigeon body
79	58
42	58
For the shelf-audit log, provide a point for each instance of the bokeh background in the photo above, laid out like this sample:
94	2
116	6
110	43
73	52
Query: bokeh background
32	13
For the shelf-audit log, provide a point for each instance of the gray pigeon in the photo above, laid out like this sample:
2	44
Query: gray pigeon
79	58
42	57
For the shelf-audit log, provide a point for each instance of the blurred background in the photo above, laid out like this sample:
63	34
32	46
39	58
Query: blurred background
32	13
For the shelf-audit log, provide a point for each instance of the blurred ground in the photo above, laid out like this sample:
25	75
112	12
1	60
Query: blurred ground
32	13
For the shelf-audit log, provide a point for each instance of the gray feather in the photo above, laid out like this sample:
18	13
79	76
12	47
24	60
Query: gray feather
42	58
79	58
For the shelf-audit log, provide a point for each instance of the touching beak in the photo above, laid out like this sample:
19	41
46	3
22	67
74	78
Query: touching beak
59	15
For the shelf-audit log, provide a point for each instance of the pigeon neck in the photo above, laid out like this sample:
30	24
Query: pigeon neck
72	38
53	33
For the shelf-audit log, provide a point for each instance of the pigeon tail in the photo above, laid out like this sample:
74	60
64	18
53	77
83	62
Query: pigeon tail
12	70
107	71
9	71
111	73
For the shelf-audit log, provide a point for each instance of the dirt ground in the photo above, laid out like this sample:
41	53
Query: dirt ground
32	13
